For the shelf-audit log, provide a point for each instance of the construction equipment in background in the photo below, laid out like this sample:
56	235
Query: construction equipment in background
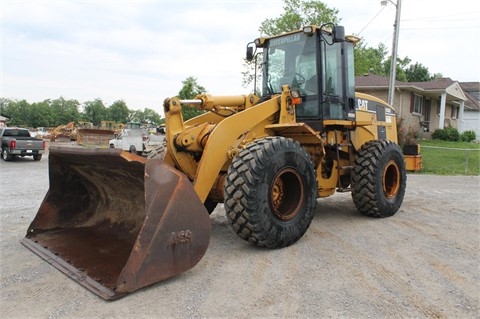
79	126
63	131
112	125
116	222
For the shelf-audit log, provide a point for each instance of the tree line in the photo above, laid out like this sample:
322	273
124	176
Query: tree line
52	113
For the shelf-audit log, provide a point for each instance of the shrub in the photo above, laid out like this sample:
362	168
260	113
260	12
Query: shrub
406	136
446	134
469	136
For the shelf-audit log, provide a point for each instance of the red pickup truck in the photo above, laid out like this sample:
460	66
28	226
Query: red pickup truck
18	142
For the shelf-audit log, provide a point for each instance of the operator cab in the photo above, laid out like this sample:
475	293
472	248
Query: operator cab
318	64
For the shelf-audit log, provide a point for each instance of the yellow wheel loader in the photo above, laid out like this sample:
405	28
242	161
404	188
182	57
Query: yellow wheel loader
116	222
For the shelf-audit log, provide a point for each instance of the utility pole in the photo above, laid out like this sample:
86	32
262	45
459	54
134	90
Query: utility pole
393	65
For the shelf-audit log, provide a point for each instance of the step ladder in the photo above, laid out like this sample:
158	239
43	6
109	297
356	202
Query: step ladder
351	155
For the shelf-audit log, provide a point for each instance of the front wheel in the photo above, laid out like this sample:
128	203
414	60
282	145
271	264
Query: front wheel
133	149
379	179
270	192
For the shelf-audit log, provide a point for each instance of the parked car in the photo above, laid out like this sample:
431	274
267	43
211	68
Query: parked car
18	142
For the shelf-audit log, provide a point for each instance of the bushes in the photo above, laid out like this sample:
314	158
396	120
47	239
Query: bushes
452	134
446	134
469	136
406	135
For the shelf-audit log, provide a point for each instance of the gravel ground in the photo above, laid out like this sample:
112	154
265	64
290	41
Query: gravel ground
421	263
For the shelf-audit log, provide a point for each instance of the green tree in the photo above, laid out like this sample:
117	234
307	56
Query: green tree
297	13
147	116
94	111
7	108
151	117
369	59
418	73
17	112
118	112
64	111
401	66
135	116
41	114
189	90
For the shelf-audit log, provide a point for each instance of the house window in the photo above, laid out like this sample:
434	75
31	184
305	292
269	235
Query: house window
417	103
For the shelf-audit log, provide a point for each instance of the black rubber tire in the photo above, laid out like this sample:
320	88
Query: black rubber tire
37	157
133	149
270	192
379	179
6	156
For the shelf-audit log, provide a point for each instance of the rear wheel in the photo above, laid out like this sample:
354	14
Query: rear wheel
270	192
133	149
6	156
379	179
37	157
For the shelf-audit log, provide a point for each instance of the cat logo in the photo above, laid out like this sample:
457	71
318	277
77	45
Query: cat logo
362	105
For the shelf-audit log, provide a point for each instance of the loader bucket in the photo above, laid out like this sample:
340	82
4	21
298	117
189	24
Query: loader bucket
116	222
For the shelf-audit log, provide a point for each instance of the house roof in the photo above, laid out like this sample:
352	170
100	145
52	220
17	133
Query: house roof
470	86
372	80
472	91
454	89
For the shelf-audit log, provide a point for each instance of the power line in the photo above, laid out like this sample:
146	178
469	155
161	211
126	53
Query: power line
439	28
446	16
383	7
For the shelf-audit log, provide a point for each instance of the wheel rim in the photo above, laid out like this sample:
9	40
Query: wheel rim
391	179
286	194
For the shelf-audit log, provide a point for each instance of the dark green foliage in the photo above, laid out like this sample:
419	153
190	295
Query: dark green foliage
446	134
297	14
418	73
118	112
189	91
52	113
468	136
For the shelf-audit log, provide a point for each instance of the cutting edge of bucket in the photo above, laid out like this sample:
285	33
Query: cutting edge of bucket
72	272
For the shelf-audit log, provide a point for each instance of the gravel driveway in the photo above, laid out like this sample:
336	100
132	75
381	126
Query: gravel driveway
421	263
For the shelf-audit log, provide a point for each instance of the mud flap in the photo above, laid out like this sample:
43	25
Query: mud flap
116	222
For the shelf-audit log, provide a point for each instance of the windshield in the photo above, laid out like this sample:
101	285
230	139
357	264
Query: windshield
291	60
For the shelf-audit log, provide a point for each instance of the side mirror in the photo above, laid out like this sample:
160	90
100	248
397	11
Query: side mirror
338	34
249	53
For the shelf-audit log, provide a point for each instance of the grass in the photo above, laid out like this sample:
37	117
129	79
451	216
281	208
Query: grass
450	158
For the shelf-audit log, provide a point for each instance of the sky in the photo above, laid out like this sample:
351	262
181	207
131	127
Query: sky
141	51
